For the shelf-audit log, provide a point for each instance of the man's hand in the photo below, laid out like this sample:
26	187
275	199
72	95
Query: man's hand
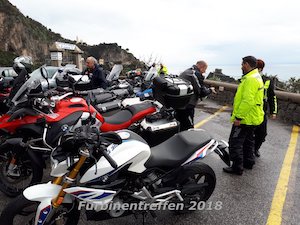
213	90
236	122
273	116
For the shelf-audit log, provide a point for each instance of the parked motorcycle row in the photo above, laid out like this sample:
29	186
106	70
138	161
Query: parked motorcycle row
120	145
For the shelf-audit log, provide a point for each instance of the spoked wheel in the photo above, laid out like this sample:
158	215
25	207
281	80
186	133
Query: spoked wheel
17	172
197	183
21	211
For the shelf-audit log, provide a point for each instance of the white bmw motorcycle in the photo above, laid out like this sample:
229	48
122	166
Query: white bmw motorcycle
117	168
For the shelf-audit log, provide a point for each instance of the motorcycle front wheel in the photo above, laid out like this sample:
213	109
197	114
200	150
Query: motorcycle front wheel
21	211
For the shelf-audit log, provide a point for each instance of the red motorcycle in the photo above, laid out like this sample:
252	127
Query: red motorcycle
35	124
4	93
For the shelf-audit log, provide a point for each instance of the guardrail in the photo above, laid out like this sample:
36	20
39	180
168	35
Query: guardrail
288	103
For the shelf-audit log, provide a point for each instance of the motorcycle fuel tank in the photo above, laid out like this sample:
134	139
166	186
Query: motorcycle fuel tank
132	152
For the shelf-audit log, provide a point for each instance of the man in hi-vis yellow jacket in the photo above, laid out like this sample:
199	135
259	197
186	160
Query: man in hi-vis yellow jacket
247	114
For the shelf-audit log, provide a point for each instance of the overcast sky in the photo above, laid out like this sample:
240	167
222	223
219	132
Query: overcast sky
179	32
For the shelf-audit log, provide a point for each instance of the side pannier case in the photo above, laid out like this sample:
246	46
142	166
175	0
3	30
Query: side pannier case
172	91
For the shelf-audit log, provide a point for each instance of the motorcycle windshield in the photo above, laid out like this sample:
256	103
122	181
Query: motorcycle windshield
31	84
115	72
151	74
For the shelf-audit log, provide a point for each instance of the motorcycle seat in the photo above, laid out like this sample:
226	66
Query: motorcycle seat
139	111
177	149
124	118
120	117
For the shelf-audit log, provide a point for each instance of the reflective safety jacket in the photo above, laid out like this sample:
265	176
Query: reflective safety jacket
163	70
269	96
248	100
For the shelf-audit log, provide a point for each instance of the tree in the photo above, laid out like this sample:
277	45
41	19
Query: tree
293	85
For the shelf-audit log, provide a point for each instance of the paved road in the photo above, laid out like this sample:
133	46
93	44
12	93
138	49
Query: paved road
246	199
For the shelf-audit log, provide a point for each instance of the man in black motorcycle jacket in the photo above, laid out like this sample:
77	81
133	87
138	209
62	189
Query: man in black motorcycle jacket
95	73
195	76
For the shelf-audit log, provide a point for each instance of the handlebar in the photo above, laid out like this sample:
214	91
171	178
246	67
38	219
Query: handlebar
110	159
93	137
47	93
37	95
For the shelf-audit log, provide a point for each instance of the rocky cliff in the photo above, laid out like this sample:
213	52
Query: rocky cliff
21	35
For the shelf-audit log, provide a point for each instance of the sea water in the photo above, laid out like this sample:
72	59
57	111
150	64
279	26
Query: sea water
283	71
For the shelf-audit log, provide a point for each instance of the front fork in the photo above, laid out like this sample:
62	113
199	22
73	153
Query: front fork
11	170
57	201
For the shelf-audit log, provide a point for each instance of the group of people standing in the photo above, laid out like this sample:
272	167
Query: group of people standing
97	75
255	94
249	117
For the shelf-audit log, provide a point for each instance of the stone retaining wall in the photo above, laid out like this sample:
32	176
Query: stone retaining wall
288	103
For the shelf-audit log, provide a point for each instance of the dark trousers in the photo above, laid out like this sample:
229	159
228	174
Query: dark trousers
185	118
260	133
241	146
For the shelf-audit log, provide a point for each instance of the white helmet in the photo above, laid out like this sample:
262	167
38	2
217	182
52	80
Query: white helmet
23	62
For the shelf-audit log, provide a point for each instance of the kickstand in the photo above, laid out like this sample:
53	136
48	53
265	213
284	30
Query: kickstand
144	214
152	213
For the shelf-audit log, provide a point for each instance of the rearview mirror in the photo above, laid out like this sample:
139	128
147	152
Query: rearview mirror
44	73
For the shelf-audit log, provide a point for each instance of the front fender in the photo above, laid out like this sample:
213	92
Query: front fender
42	192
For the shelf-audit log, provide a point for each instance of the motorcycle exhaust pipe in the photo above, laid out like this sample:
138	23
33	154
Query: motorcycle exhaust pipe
221	151
192	188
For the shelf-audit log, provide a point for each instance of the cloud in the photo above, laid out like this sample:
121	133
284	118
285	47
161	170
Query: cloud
179	32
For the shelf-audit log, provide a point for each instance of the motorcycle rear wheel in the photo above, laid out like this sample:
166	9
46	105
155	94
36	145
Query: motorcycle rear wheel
196	173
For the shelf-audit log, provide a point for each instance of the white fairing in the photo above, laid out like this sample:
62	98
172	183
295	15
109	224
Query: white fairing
40	192
202	152
132	101
95	196
44	193
61	168
124	85
42	211
131	151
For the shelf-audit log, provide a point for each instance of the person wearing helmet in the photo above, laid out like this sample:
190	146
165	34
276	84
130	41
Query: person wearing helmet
270	102
22	62
23	67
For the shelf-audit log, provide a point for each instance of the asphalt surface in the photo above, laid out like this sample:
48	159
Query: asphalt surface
242	200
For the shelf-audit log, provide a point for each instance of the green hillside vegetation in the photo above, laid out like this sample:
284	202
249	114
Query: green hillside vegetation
23	34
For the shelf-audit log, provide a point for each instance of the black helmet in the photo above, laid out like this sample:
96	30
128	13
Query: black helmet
22	62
